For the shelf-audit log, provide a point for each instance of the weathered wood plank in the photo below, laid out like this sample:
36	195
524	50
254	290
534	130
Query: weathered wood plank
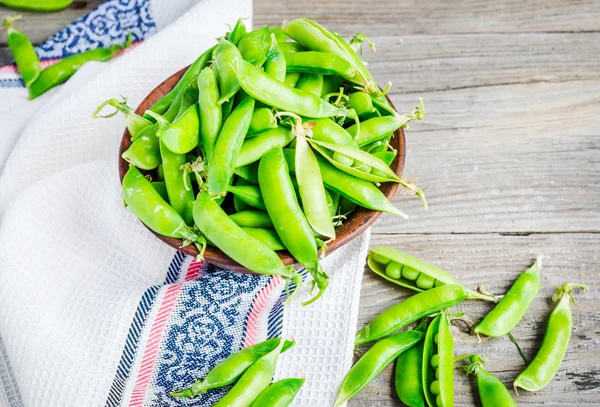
384	17
40	26
497	261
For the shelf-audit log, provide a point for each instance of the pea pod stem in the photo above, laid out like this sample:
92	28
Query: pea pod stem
514	340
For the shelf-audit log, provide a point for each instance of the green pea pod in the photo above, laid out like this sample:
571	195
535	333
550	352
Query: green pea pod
354	161
547	361
248	172
37	5
312	190
238	204
329	131
346	206
250	194
318	62
386	156
231	368
287	216
60	72
287	47
269	90
377	358
253	219
279	34
268	237
262	119
361	102
378	128
331	83
22	50
144	152
134	122
275	64
237	244
410	310
188	77
211	114
413	273
356	190
513	306
279	394
161	189
438	363
254	148
147	204
238	32
182	135
228	146
254	46
225	54
311	83
178	183
335	201
409	377
292	78
252	382
492	391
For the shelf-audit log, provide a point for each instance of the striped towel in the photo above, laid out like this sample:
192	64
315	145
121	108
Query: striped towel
94	310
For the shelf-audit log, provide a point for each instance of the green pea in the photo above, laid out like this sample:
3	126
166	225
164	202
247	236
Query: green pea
362	167
378	173
410	273
435	361
161	172
435	387
436	338
437	374
381	259
394	270
343	159
425	282
438	401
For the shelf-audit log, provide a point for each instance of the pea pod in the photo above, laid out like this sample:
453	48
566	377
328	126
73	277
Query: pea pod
292	78
214	223
311	83
268	237
386	156
287	216
329	131
492	391
269	90
292	46
279	394
275	64
279	34
37	5
374	361
311	188
262	120
438	363
22	50
331	83
190	75
318	62
410	310
61	71
253	381
356	190
228	146
512	307
249	194
210	113
231	368
182	135
547	361
160	187
408	379
253	219
147	204
238	32
225	54
248	172
254	148
361	102
134	122
410	272
254	46
354	161
238	204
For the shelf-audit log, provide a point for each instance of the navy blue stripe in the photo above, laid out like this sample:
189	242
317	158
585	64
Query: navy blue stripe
12	83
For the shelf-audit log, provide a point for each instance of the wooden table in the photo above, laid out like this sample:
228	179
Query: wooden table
509	156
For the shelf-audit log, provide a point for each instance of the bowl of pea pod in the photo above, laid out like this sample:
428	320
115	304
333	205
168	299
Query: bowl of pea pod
272	149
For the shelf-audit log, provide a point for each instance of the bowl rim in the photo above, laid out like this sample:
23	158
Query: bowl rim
354	226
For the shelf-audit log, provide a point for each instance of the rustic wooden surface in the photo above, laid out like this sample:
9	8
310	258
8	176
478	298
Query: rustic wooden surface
509	156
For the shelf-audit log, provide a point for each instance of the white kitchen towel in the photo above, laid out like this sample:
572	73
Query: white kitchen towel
94	310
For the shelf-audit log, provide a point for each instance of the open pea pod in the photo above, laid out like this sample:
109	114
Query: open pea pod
410	272
438	363
354	161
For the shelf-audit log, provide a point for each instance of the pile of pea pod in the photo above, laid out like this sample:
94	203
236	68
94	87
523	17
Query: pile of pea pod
424	356
268	141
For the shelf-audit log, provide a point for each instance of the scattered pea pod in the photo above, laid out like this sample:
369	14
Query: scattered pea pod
229	370
22	49
374	361
438	363
279	394
413	273
408	379
410	310
492	391
511	309
547	361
